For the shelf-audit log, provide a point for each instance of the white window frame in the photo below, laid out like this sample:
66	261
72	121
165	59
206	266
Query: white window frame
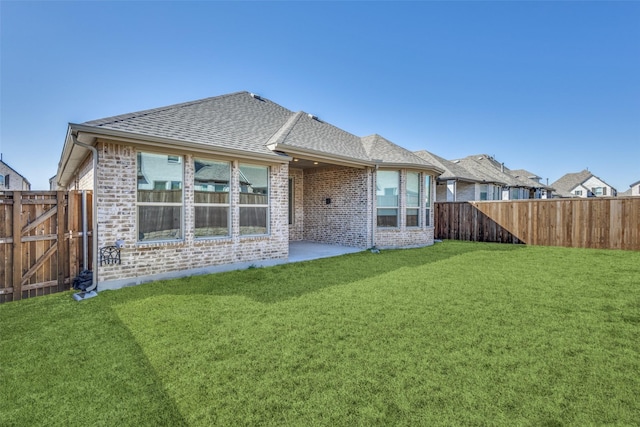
427	181
417	206
140	204
220	205
397	205
247	205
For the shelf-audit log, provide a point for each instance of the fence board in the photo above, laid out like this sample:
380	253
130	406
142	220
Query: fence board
612	223
39	251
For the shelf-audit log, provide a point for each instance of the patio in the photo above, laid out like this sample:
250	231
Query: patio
305	250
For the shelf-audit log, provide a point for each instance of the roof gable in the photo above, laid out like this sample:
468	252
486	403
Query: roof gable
239	121
565	184
382	151
451	169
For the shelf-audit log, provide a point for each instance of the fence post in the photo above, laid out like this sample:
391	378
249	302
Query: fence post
17	245
60	224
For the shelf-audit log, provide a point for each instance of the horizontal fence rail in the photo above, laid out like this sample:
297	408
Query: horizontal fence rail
604	223
40	242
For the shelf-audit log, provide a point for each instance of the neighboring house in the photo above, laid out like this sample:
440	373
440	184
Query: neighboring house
230	180
11	180
635	189
540	190
582	184
459	184
514	186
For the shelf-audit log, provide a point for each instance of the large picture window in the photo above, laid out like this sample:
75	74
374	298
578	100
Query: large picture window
159	197
427	199
254	199
413	199
211	189
387	198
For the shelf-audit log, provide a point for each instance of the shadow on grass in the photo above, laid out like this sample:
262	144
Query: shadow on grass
79	347
278	283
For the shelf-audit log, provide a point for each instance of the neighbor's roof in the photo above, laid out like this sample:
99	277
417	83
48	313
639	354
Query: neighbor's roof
569	181
478	165
242	122
453	170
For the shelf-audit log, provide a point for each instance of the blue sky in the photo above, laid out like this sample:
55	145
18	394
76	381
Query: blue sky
551	87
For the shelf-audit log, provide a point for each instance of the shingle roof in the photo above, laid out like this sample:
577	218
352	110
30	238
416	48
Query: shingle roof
569	181
379	148
236	121
309	133
479	166
451	170
243	121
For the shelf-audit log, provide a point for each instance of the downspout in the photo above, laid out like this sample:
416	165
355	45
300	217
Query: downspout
94	215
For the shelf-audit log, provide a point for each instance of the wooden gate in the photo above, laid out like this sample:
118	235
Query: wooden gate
41	245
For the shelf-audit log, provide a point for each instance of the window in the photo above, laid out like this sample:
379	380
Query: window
427	199
514	194
496	192
1	179
578	192
173	159
7	180
413	199
599	191
387	198
159	198
211	189
254	199
483	192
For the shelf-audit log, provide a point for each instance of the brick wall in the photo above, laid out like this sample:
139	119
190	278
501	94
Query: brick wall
296	230
116	196
347	219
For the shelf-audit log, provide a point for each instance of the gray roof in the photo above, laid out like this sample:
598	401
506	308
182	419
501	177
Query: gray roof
384	151
480	165
524	173
452	170
569	181
236	121
252	124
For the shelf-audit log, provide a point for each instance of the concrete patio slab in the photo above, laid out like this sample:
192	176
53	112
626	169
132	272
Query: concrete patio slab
305	251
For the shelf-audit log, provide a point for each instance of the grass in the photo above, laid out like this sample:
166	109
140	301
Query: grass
455	334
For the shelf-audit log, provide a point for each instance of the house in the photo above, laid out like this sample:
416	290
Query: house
514	186
11	180
458	183
583	184
540	190
231	180
634	190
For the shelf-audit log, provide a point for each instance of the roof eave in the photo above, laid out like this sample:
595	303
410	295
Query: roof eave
321	156
407	165
73	155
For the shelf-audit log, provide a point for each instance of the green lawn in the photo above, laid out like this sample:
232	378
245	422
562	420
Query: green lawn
455	334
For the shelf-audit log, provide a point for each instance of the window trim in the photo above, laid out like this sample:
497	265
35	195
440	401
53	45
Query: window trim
180	204
397	207
415	207
247	205
221	205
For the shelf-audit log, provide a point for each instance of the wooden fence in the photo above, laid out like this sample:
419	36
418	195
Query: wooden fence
607	223
41	246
